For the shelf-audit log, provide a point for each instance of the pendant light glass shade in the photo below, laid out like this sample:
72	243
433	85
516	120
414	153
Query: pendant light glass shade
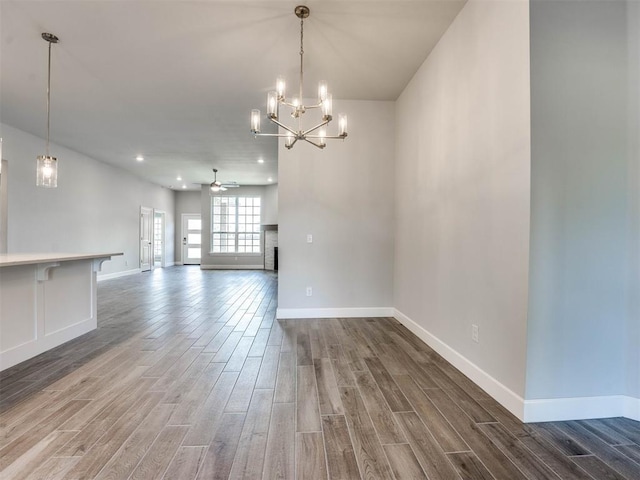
272	105
342	125
322	91
327	107
47	171
255	121
281	86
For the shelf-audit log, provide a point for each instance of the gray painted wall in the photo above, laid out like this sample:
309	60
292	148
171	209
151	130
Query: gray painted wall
581	341
270	200
343	196
95	208
185	202
462	190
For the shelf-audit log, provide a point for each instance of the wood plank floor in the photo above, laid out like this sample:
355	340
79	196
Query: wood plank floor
190	376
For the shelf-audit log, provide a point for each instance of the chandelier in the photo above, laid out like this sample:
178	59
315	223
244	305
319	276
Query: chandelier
46	165
316	135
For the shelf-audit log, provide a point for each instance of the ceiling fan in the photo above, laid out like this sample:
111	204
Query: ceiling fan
217	186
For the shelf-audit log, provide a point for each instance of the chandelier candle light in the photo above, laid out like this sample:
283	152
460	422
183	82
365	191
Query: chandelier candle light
46	165
315	135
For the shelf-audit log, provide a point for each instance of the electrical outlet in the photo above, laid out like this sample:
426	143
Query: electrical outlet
309	238
126	264
309	291
474	333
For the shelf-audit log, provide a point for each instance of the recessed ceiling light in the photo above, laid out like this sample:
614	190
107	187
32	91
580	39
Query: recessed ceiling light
179	178
140	158
269	179
260	160
184	186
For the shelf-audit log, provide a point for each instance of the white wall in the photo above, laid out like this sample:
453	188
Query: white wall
185	202
583	337
95	208
343	196
633	338
462	197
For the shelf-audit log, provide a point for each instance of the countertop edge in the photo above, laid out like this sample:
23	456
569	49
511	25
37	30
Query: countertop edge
16	259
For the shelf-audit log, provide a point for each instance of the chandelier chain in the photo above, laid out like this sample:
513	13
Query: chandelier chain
301	55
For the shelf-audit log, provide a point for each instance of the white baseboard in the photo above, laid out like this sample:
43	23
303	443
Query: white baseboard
502	394
334	312
177	264
581	408
124	273
231	267
631	408
44	343
529	411
169	264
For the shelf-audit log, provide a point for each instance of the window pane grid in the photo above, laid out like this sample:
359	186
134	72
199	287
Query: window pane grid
235	225
157	237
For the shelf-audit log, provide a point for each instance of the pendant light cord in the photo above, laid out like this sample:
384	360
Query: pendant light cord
48	97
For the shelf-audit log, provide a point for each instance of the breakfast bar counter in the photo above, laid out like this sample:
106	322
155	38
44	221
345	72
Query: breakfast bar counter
46	299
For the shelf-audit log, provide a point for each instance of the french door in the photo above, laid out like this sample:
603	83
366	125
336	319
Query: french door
191	239
158	238
146	238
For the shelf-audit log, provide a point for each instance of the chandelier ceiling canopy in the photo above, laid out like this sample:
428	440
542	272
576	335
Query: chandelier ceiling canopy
315	135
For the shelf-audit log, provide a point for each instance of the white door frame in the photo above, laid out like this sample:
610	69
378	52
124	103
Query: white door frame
4	211
185	233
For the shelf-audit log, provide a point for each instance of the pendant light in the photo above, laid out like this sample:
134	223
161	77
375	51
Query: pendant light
46	165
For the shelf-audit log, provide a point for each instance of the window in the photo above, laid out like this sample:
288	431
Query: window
235	224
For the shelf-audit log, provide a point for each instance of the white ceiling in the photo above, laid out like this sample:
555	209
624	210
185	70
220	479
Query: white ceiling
176	80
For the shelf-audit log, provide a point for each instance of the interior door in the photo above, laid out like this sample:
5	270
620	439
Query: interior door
146	236
191	239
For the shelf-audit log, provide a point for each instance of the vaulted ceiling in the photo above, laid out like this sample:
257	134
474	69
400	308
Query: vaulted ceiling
176	80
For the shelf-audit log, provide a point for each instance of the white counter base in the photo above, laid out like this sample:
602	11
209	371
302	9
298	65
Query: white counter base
45	301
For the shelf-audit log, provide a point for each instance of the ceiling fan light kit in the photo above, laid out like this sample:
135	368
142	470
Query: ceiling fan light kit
315	135
46	165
